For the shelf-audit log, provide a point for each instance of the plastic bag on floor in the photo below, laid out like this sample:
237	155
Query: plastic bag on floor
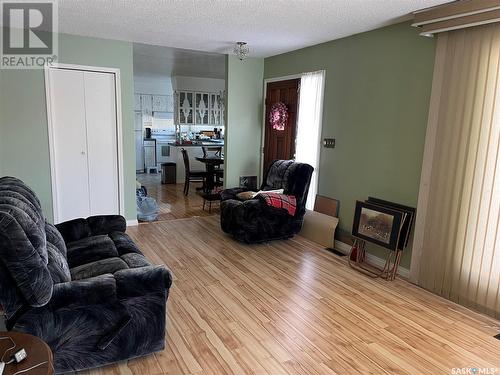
147	208
141	191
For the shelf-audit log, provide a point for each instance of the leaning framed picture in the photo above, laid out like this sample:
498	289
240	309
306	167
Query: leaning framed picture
377	224
406	226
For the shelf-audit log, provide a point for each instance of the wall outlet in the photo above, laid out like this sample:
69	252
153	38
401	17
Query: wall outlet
329	142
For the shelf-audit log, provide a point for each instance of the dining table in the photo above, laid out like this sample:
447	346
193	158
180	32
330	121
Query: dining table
211	162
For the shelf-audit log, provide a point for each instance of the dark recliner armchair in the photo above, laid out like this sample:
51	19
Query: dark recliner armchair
253	221
82	286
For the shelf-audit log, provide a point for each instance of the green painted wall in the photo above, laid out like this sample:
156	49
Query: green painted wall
243	118
24	151
377	93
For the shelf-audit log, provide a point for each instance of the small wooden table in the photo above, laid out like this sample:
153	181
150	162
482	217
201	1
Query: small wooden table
37	350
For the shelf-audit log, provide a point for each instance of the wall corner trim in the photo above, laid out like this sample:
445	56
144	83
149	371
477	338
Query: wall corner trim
132	223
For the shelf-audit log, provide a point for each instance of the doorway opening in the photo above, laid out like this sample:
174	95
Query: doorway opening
280	143
179	119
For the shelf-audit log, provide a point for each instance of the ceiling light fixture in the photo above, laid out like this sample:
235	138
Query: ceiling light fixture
241	50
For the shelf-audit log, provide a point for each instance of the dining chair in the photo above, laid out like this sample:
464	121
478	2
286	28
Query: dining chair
219	170
217	151
191	176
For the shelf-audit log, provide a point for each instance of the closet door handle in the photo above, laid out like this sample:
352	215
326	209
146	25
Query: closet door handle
83	152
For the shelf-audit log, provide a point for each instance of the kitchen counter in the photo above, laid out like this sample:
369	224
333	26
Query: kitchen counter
214	143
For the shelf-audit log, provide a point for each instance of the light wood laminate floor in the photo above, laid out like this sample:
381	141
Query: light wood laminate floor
291	307
172	202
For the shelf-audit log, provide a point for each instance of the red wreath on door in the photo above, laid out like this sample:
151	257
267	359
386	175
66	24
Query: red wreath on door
278	116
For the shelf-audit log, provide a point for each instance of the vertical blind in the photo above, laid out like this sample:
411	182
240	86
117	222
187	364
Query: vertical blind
458	254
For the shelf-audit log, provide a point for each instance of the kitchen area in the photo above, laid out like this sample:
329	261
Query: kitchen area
163	126
178	105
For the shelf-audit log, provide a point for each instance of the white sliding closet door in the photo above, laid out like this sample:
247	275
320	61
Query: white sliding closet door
102	142
84	143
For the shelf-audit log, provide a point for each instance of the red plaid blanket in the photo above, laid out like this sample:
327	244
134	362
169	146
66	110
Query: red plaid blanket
287	202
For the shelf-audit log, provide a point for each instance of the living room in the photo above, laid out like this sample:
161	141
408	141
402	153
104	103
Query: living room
369	246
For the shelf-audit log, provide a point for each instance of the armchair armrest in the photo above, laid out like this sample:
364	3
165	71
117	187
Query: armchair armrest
249	209
84	292
134	282
76	229
231	193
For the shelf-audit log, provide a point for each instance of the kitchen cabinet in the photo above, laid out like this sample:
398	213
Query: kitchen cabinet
185	108
201	108
215	109
170	103
163	103
137	102
138	121
159	103
198	108
147	104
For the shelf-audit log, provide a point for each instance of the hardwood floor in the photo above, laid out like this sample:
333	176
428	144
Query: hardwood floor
291	307
173	204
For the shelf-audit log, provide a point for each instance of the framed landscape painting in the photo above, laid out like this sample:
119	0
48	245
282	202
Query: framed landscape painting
378	224
408	218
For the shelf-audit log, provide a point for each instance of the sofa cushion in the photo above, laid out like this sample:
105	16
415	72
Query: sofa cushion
90	249
278	175
100	267
104	224
11	298
55	238
15	199
92	291
74	230
58	266
13	187
124	243
23	248
22	242
26	209
135	260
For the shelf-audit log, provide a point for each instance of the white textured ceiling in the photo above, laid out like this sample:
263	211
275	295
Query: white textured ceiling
269	26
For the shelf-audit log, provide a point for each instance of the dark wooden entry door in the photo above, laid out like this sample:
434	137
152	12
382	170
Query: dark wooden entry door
281	144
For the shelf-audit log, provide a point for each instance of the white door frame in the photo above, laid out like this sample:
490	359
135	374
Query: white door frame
119	129
263	135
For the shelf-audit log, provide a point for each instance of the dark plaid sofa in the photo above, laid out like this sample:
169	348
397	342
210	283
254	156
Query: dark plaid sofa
82	286
253	220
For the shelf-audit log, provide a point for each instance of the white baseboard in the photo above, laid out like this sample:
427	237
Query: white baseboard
132	223
379	262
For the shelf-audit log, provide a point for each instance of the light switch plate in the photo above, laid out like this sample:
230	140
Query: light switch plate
329	142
